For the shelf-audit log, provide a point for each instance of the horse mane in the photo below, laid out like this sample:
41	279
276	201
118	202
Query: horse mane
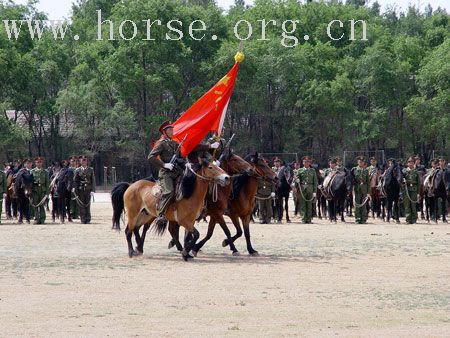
188	184
238	183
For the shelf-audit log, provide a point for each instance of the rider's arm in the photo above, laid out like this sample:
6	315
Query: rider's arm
153	156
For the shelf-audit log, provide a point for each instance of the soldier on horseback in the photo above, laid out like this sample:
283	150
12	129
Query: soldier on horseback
164	157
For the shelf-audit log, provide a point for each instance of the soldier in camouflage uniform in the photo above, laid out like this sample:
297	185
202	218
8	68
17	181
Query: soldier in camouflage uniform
264	197
74	165
307	179
84	182
361	190
2	191
40	190
411	191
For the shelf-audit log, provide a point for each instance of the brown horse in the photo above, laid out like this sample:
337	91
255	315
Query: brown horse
11	197
140	203
217	200
242	200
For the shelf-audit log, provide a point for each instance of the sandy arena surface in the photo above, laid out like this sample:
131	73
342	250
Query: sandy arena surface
323	279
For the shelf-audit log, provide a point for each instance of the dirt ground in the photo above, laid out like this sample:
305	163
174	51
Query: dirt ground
309	280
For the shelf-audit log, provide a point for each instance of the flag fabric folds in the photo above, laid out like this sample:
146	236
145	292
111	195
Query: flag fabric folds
207	113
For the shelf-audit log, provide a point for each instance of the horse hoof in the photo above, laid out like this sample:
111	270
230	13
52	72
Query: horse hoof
224	243
194	253
288	221
171	245
132	254
254	254
236	253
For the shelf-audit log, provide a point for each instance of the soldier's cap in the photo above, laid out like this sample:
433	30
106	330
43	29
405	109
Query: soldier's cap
411	159
434	160
64	162
73	158
441	158
83	158
333	160
164	126
391	159
360	158
27	160
18	161
39	159
338	158
276	159
373	158
307	158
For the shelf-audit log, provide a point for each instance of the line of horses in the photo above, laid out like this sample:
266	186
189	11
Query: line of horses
19	193
336	198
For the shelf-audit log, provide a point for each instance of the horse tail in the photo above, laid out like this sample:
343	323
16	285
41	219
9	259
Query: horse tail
117	202
159	227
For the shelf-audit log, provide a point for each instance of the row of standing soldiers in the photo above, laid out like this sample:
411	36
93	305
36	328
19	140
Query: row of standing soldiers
26	205
306	178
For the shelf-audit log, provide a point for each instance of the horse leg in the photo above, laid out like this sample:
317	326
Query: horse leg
225	229
174	230
189	245
128	234
237	225
397	210
211	226
279	207
140	246
286	206
246	225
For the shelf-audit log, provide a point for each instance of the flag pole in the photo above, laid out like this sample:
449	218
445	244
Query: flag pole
238	58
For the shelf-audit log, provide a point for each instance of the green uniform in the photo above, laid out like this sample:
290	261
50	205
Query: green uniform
361	190
265	190
307	179
84	184
74	210
411	189
2	191
40	191
165	149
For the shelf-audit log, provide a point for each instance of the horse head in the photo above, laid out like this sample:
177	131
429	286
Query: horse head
211	172
24	183
234	164
260	167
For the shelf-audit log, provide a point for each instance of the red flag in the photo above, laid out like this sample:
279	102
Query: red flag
208	113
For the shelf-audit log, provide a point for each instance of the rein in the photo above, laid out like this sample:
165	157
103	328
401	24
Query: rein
39	204
363	202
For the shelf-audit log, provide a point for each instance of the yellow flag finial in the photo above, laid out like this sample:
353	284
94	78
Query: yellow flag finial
239	57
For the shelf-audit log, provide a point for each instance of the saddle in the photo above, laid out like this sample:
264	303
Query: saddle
156	191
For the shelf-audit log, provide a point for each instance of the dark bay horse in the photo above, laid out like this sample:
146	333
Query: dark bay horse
218	197
390	184
282	191
438	189
22	186
61	190
336	191
242	203
139	200
375	204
